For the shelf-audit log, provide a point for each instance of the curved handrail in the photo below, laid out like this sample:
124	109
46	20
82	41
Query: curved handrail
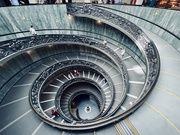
176	36
37	86
6	46
118	117
146	46
80	64
151	57
13	47
91	43
89	92
73	81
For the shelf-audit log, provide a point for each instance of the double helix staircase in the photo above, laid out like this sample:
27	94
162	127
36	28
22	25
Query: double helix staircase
118	85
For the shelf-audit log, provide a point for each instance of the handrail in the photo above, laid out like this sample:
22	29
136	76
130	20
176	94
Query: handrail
6	47
73	81
89	92
146	46
176	36
153	64
75	39
143	42
80	64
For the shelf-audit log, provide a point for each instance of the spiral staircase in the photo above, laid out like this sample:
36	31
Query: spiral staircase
37	75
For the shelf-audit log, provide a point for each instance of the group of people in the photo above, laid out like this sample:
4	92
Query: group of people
103	2
27	2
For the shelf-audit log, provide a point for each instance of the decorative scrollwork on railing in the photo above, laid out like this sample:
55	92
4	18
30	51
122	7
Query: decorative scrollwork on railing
131	30
28	42
40	81
11	47
14	46
93	12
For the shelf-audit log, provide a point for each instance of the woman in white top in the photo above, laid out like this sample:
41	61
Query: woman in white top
123	51
33	31
105	42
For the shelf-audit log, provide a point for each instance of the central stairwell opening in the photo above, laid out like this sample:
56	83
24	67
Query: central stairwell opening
85	107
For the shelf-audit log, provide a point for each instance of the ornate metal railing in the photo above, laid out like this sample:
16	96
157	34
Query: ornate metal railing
41	32
136	34
45	75
82	79
77	40
141	18
131	30
23	44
